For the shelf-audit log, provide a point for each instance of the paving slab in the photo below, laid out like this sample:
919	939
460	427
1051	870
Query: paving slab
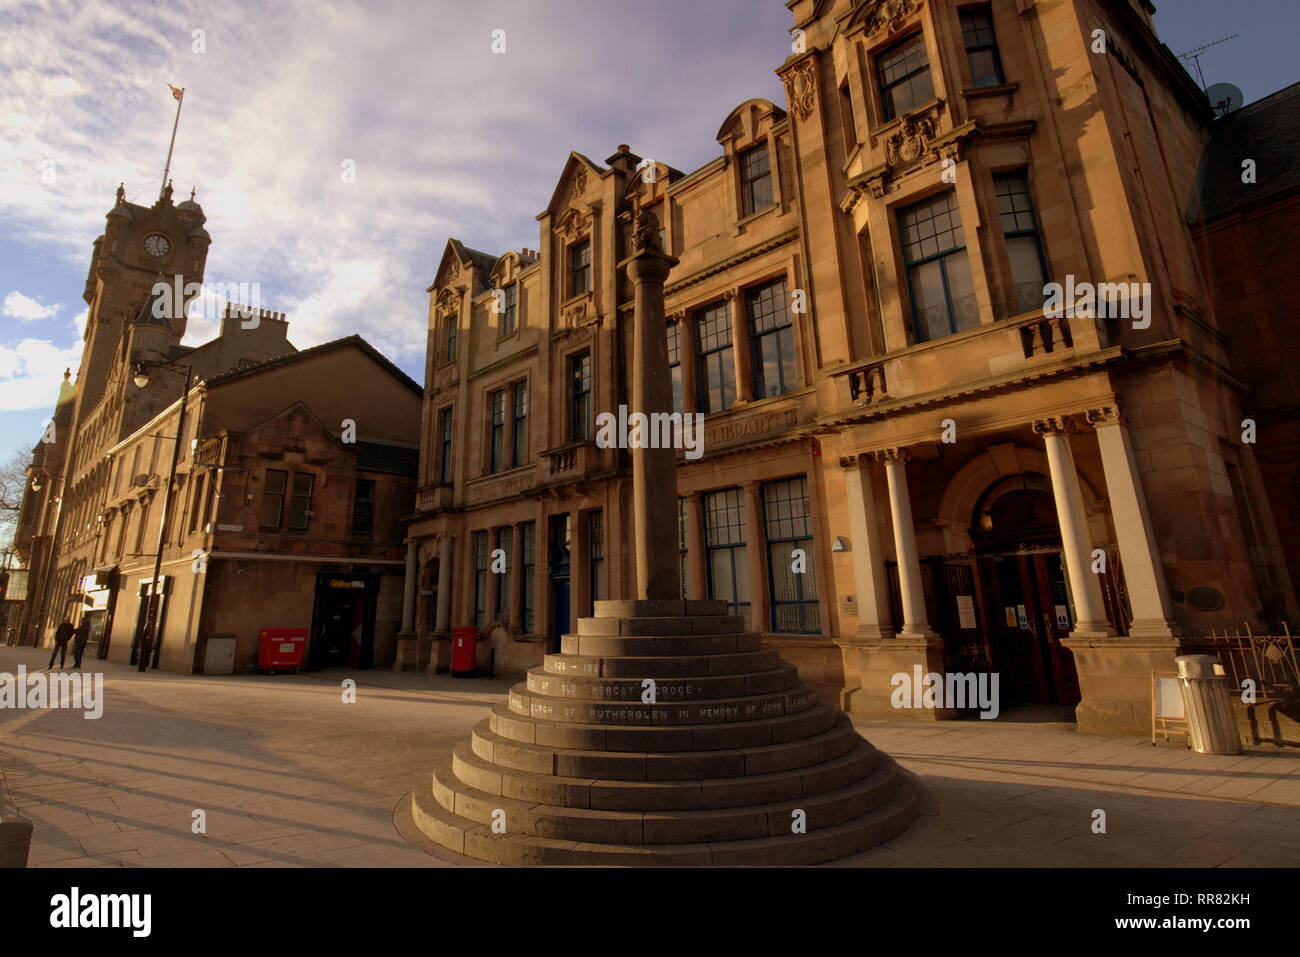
290	775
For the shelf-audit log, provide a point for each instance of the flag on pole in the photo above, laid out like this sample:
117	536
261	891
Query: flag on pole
175	92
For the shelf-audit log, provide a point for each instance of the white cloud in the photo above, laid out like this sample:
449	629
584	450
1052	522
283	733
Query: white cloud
31	373
448	138
27	308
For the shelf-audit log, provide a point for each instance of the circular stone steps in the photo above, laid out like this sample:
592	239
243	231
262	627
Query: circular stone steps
734	761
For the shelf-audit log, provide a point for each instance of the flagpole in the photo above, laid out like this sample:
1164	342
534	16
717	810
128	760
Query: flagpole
180	101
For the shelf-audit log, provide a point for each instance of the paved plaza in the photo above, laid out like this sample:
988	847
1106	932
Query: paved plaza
288	774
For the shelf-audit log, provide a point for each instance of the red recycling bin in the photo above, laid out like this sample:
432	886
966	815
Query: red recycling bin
281	649
464	652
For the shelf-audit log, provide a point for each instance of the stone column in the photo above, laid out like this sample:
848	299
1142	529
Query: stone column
579	570
697	582
916	623
740	347
875	619
517	579
407	644
1075	544
444	585
760	617
409	586
686	357
1114	671
1143	571
654	471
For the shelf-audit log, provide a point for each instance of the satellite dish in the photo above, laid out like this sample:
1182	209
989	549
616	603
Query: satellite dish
1225	98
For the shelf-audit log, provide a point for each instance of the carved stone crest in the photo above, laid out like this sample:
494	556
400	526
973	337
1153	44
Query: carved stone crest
575	314
890	16
572	224
448	300
579	184
908	143
801	88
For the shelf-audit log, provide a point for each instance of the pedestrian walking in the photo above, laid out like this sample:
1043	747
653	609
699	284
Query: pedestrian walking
79	639
61	637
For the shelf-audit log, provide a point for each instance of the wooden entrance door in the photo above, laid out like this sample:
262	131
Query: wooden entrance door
1031	616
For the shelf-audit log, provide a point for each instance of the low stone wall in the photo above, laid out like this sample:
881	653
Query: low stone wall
1269	721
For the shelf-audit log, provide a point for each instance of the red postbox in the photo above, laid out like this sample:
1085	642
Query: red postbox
464	652
281	649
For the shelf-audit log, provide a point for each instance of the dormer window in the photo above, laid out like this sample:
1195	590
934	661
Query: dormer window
510	317
755	180
904	73
580	268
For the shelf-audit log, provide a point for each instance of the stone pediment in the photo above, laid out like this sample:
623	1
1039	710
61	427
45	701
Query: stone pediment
574	184
883	16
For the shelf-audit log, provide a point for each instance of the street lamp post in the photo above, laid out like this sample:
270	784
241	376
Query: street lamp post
147	639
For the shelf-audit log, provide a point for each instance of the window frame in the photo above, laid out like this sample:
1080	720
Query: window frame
910	266
887	111
496	445
576	378
480	554
295	496
735	548
1035	232
518	423
505	540
785	325
986	12
369	500
749	182
280	497
528	568
452	334
509	315
576	271
702	356
809	608
446	427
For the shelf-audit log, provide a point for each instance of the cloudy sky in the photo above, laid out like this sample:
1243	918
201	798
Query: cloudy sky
447	138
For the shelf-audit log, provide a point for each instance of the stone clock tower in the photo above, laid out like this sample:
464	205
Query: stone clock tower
140	246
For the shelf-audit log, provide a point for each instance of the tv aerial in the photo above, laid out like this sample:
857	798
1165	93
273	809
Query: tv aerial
1195	55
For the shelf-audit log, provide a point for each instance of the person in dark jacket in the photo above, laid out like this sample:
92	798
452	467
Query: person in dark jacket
61	638
79	639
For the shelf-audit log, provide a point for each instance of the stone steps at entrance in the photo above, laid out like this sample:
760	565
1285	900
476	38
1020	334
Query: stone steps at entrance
735	762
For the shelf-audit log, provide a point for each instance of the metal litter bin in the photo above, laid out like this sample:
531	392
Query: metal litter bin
1211	725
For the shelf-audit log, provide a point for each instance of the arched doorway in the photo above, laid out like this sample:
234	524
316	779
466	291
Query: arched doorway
1018	547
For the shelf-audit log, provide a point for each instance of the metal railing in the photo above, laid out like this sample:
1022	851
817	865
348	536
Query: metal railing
1270	661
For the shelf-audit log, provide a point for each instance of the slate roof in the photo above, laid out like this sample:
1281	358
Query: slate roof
483	260
1267	131
352	340
380	457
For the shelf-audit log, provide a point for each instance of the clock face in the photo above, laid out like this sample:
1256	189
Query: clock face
157	245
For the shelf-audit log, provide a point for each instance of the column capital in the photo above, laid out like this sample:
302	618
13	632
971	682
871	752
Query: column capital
730	294
890	455
1105	415
678	316
1054	425
692	496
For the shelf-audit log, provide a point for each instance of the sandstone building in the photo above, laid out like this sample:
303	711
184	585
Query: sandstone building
279	515
913	455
